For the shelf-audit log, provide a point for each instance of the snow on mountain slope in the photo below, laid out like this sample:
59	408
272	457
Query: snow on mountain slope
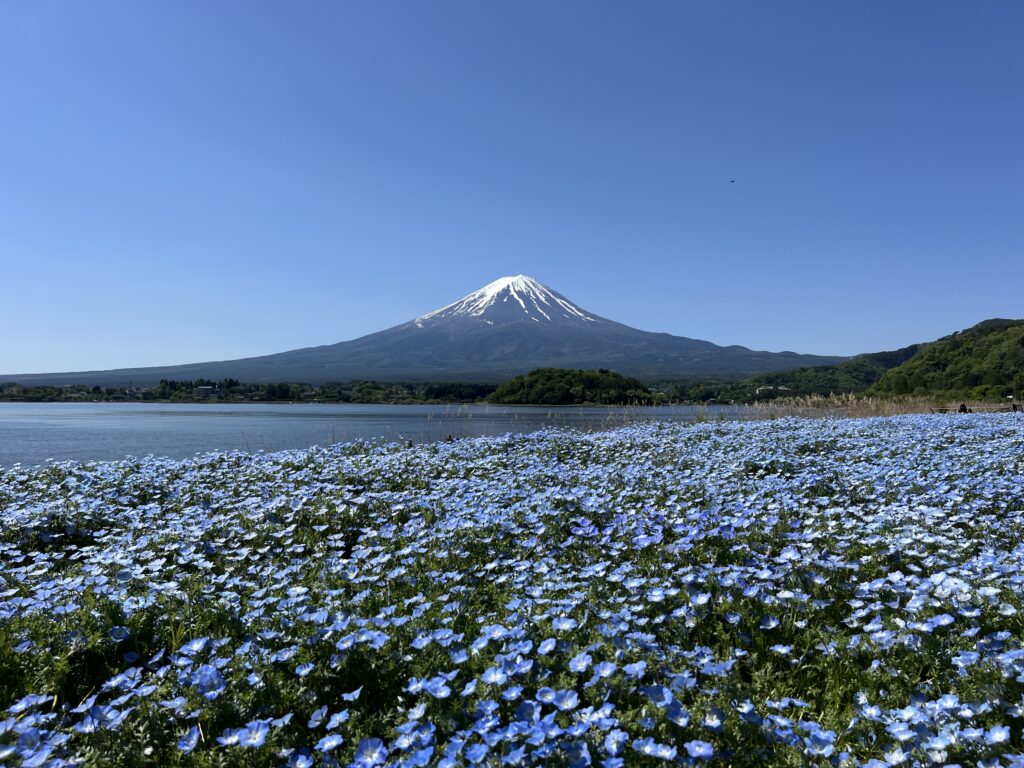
510	299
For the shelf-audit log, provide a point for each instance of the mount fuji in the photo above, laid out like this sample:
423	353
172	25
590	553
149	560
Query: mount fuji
510	326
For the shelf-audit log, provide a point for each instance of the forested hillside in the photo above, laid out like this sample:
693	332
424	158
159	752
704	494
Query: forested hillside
984	361
856	374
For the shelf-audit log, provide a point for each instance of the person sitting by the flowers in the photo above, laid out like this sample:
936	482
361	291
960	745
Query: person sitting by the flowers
963	408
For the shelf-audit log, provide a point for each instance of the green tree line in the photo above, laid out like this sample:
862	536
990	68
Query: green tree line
563	386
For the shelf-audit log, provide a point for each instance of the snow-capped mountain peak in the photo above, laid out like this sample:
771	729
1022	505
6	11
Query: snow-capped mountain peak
515	298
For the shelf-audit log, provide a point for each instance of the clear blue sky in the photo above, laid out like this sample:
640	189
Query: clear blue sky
186	181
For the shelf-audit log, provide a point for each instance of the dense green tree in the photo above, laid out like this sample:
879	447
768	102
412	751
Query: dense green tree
562	386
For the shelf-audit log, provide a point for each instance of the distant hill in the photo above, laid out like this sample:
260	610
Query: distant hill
560	386
854	375
510	326
982	362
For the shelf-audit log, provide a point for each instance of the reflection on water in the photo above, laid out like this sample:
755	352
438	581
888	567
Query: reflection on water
31	433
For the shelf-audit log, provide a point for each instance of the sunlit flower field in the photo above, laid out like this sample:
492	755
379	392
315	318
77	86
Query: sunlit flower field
789	592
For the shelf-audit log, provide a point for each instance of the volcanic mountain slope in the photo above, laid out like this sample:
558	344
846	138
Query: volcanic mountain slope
508	327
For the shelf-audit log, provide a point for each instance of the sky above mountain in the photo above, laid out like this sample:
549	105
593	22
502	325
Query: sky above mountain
193	181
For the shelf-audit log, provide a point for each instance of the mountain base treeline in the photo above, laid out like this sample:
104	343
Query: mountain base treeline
232	390
547	386
984	362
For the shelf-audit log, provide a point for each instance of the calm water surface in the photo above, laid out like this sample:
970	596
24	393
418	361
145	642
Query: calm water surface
31	433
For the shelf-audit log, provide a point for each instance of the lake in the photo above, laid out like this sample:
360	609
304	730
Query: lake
31	433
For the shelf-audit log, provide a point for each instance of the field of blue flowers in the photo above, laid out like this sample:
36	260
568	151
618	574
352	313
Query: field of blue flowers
789	592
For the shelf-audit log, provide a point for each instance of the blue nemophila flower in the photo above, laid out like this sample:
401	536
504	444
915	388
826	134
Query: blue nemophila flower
579	754
189	741
677	714
564	623
699	750
329	742
650	747
370	752
713	720
338	718
512	693
494	676
580	662
820	743
565	700
965	659
420	758
229	737
254	734
658	694
208	681
521	666
32	700
901	731
119	634
352	695
285	654
437	687
546	647
445	637
997	734
304	669
516	756
177	704
376	640
895	756
476	753
317	717
614	741
194	647
528	712
635	670
487	707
